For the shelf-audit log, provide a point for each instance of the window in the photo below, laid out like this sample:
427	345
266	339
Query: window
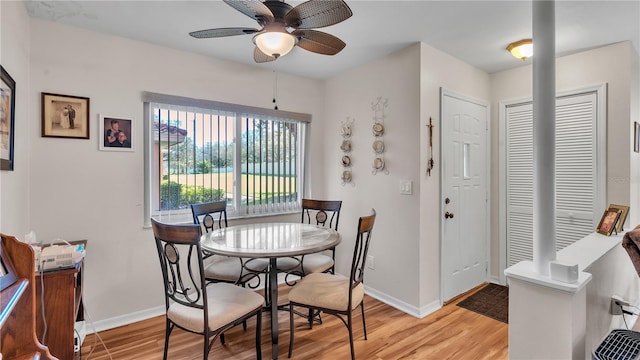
201	151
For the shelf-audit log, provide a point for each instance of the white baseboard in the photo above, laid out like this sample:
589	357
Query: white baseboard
122	320
106	324
403	306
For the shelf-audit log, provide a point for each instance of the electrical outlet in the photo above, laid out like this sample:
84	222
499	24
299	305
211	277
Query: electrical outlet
371	262
616	305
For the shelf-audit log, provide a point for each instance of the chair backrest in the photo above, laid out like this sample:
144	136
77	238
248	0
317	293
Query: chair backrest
321	212
210	214
180	256
363	238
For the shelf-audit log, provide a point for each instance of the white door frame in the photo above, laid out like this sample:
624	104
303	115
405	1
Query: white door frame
446	92
601	126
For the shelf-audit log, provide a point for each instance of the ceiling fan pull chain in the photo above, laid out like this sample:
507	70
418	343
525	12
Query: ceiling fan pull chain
275	89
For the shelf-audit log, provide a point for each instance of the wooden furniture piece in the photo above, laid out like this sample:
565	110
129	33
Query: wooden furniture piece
273	241
62	307
18	339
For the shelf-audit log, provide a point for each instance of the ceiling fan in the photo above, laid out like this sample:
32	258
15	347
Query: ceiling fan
274	39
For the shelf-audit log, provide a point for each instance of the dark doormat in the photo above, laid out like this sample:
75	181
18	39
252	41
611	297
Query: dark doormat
492	301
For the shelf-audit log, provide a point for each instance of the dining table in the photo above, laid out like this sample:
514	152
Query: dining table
270	240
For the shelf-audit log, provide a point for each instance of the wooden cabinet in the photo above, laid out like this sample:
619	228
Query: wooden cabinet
17	305
62	308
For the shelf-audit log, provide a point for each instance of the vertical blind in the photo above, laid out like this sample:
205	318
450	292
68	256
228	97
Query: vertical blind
203	151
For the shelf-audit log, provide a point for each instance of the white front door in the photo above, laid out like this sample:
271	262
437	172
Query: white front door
464	197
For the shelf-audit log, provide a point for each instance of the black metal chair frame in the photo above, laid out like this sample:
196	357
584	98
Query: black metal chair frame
169	240
219	209
356	277
326	212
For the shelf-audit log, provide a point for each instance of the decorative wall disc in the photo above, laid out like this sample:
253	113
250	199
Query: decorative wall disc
346	161
346	146
378	129
346	176
378	164
346	131
378	146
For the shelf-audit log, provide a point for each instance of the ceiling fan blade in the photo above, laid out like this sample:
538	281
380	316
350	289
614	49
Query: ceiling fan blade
317	14
222	32
261	57
319	42
254	9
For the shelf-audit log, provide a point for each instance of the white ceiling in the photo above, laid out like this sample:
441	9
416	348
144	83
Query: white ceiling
476	32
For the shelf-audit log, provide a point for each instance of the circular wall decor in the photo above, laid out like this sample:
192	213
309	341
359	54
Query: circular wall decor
378	146
346	161
346	176
346	131
346	146
378	164
378	129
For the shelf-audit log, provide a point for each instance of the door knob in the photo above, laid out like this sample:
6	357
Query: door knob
448	215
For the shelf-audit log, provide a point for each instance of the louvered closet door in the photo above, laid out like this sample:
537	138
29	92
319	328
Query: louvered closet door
576	176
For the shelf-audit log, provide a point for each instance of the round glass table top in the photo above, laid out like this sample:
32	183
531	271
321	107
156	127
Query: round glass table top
270	240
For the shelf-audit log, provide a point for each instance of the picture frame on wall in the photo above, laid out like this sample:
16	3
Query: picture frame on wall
608	221
623	215
7	119
65	116
116	133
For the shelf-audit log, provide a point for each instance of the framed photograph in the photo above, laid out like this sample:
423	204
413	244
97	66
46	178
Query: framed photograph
636	137
608	222
65	116
116	133
623	215
7	119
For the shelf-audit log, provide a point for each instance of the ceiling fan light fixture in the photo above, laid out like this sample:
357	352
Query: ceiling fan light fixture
275	43
522	49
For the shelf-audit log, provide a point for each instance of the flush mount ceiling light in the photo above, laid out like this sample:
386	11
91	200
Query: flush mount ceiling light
522	49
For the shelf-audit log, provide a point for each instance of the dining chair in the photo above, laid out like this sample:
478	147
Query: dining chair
318	212
193	304
335	294
239	271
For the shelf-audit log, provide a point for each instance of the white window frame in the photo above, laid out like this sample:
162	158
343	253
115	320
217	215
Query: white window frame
241	111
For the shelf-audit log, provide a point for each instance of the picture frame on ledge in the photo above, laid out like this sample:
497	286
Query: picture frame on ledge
65	116
116	133
608	221
7	119
623	215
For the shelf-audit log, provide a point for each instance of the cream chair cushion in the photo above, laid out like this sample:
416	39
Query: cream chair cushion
316	263
226	302
312	263
326	291
228	268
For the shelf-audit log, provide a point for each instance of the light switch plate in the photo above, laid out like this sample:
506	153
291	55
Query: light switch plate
406	187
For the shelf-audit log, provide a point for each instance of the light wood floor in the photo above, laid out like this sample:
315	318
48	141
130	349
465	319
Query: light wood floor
449	333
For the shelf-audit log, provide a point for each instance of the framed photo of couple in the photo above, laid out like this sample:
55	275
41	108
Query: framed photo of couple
116	133
65	116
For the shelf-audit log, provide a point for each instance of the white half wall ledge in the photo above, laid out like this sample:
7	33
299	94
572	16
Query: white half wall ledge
525	271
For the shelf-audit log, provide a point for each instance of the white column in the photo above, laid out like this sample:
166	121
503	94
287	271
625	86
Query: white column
544	135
